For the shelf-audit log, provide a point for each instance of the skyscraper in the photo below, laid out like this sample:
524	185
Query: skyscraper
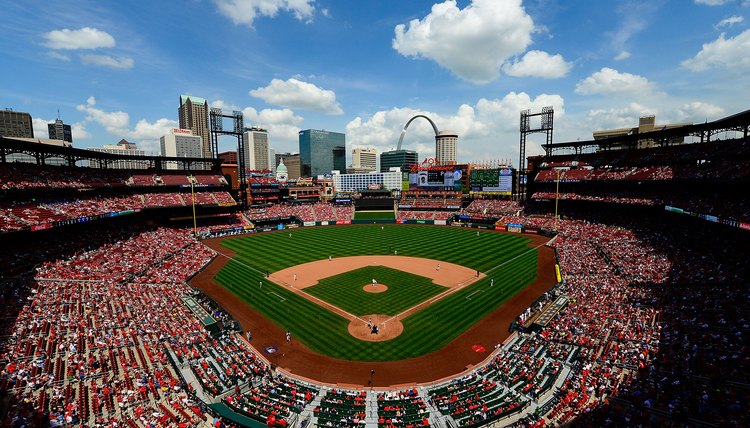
16	124
321	152
257	149
363	160
180	143
60	131
445	147
400	158
193	114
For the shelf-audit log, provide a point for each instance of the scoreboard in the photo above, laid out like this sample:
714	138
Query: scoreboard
497	181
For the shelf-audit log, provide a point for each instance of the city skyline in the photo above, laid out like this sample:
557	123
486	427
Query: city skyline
115	70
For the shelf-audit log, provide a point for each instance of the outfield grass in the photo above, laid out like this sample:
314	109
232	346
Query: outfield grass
346	290
374	215
504	257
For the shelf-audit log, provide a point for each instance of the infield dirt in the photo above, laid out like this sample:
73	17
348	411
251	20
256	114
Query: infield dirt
450	361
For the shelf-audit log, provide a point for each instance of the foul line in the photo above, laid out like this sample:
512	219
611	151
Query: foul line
322	303
428	302
274	293
453	290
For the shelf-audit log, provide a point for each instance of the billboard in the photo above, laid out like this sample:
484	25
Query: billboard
494	180
442	179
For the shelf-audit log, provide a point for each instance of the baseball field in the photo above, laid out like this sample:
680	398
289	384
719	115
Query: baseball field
496	266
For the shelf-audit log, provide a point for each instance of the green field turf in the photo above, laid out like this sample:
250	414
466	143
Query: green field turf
504	257
346	290
374	215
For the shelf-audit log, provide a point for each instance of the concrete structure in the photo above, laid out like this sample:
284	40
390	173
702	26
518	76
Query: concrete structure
390	180
60	131
445	147
193	115
321	152
23	157
16	124
282	172
645	124
398	158
257	150
123	147
181	143
228	157
363	160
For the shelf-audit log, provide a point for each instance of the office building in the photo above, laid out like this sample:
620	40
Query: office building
181	143
321	152
60	131
390	180
402	159
193	115
257	150
16	124
363	160
123	147
445	147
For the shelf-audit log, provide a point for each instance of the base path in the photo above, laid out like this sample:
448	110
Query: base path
308	274
452	360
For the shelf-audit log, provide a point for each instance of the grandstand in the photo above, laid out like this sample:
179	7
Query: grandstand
647	327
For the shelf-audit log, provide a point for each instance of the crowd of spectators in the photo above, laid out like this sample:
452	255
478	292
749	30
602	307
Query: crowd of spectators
318	211
655	333
491	208
32	176
20	214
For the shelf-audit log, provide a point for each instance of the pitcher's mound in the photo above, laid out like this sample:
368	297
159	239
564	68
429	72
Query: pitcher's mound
377	288
385	330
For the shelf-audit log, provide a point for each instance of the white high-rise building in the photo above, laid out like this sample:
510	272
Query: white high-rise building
364	160
123	147
181	143
445	147
257	150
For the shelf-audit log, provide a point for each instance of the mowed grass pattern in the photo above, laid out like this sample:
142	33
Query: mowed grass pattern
374	215
504	257
347	290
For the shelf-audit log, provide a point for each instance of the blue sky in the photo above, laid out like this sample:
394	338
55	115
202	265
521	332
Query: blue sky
116	69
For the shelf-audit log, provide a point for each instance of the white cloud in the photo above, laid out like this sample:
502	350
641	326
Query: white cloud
616	118
146	130
79	131
282	124
245	11
727	53
84	38
108	61
148	134
608	81
711	2
698	111
622	55
40	127
728	22
115	123
41	130
487	130
538	64
58	56
224	106
297	94
472	42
